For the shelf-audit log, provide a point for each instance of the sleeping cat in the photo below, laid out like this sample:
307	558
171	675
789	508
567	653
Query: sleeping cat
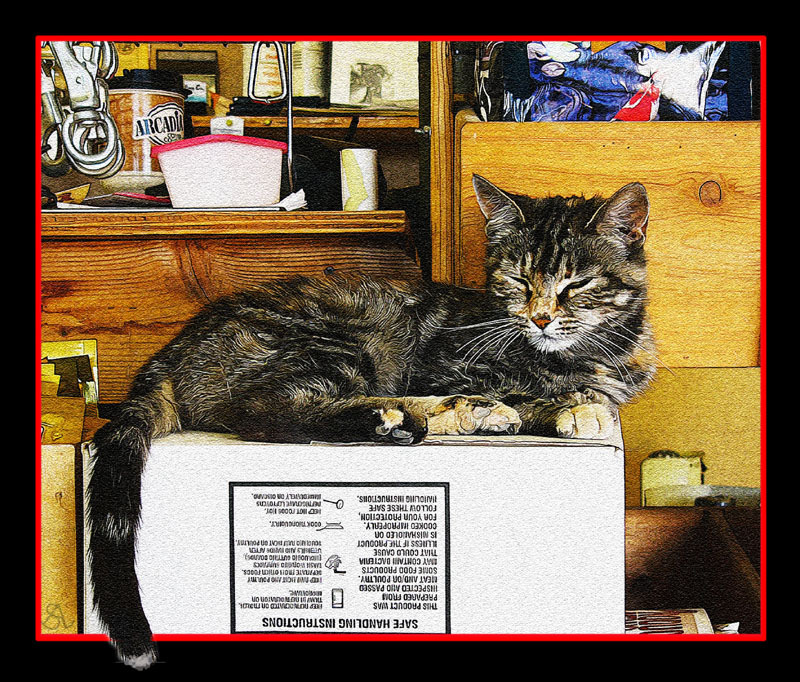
556	342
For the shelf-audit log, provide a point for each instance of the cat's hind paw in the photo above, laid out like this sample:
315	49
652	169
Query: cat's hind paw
589	420
467	415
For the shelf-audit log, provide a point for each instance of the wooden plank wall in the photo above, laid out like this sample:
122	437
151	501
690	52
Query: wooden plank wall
704	254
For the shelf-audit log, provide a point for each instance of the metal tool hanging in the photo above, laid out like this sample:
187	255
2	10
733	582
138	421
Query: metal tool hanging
77	130
54	159
285	70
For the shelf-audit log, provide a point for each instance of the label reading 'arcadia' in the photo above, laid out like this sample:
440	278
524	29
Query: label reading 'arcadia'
339	557
162	124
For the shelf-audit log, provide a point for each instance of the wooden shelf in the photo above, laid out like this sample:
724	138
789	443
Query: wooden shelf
132	279
328	118
181	224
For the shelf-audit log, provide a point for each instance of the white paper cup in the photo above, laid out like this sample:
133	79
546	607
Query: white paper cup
359	179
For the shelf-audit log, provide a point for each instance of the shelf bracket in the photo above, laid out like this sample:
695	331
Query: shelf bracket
351	129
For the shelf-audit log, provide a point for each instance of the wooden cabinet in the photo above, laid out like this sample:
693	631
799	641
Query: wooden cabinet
131	280
686	557
704	248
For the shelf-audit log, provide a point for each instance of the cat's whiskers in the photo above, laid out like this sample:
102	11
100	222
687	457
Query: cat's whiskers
485	343
606	342
488	323
630	338
585	335
493	342
497	327
499	337
514	337
608	347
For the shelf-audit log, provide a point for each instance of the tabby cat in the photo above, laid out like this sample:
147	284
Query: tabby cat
557	341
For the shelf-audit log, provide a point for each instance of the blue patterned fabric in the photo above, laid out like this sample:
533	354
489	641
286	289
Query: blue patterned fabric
566	81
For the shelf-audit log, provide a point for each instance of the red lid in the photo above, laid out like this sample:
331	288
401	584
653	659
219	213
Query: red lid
206	139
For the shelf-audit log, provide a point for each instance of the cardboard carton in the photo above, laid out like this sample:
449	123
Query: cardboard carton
454	535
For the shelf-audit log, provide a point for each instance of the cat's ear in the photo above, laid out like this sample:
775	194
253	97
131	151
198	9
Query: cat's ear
625	214
499	209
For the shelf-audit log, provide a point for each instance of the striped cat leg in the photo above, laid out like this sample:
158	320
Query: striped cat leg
338	420
400	421
579	414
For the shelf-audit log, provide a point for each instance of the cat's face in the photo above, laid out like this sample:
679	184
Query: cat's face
566	267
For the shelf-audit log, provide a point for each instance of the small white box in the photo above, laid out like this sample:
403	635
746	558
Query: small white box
222	171
455	535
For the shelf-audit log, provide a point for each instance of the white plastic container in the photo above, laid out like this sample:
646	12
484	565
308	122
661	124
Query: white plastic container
222	171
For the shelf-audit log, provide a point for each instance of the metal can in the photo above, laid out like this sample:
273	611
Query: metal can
148	107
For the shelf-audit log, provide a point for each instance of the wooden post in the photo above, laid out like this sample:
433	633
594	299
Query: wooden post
441	162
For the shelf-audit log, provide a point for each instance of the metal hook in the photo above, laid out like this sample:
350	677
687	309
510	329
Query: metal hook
251	83
54	158
89	125
285	71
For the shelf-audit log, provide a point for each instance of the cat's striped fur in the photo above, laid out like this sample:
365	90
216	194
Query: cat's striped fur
557	341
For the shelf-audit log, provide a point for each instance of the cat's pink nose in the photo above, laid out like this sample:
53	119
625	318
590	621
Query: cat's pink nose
542	322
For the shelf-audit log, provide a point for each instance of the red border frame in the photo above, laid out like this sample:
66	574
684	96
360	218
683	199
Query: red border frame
761	636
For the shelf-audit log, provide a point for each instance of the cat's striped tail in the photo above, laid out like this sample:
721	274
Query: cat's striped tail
119	453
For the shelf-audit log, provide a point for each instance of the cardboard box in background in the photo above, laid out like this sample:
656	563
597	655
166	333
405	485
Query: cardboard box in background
457	535
62	420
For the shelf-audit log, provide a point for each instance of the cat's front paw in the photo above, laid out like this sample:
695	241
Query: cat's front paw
396	424
588	420
467	415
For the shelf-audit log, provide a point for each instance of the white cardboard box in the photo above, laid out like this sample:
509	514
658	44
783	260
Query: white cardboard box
456	535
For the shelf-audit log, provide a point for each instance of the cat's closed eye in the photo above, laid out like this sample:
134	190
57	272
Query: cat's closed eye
521	283
575	287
